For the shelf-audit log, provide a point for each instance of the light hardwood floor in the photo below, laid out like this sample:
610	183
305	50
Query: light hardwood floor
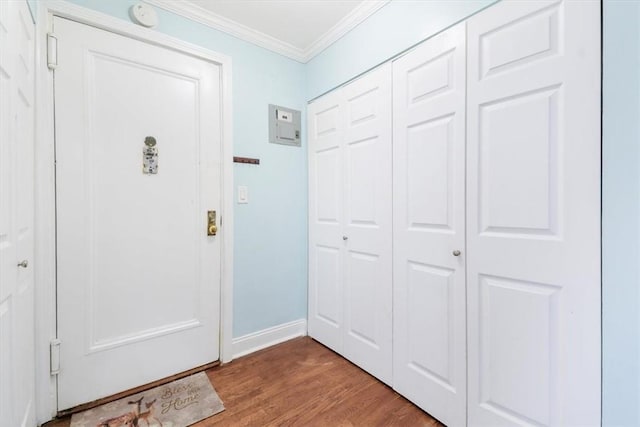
302	383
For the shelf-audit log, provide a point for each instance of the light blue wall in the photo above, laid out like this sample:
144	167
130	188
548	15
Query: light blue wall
392	29
270	268
621	214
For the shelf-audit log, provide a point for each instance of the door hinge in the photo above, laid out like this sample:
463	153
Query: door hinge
52	51
54	357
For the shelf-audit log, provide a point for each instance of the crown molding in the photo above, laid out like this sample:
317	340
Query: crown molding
346	24
203	16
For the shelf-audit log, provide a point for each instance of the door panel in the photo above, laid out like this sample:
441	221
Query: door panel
17	80
429	360
519	176
507	341
328	279
533	214
138	278
326	248
429	311
367	225
429	166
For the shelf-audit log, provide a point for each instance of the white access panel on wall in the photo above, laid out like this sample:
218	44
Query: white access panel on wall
429	299
533	209
350	222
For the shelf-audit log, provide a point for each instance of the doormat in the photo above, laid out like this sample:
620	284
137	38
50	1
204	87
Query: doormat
176	404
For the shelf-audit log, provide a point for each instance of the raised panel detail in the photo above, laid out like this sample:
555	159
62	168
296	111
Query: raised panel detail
362	157
141	335
123	314
327	121
6	157
327	185
429	174
518	348
363	107
363	282
328	284
430	78
24	175
430	322
7	145
163	300
528	39
518	165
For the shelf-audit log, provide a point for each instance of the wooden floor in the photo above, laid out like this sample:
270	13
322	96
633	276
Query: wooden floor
302	383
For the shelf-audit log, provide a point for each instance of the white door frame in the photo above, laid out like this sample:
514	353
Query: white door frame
45	197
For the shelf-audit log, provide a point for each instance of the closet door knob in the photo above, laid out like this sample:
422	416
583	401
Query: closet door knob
23	264
456	253
345	238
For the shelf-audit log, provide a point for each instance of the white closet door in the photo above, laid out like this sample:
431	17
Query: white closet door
17	290
326	247
429	226
534	214
367	223
350	280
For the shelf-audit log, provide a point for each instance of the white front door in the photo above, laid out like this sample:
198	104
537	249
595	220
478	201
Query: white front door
138	277
533	218
17	80
429	299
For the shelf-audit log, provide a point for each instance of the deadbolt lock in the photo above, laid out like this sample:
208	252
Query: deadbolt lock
212	228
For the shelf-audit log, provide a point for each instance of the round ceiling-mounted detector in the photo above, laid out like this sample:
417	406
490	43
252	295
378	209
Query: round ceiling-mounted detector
143	14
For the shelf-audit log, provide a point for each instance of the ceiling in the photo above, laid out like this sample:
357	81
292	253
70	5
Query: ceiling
299	23
299	29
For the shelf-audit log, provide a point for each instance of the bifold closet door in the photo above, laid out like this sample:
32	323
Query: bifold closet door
429	226
350	247
367	223
326	247
533	230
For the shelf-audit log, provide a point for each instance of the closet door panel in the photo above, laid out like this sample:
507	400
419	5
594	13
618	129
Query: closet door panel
429	365
326	247
367	223
533	214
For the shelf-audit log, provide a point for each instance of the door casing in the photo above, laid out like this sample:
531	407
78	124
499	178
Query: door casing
45	221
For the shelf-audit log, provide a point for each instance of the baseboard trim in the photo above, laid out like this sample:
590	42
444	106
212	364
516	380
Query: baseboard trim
255	341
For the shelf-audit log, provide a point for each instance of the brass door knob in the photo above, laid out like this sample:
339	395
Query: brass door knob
212	228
